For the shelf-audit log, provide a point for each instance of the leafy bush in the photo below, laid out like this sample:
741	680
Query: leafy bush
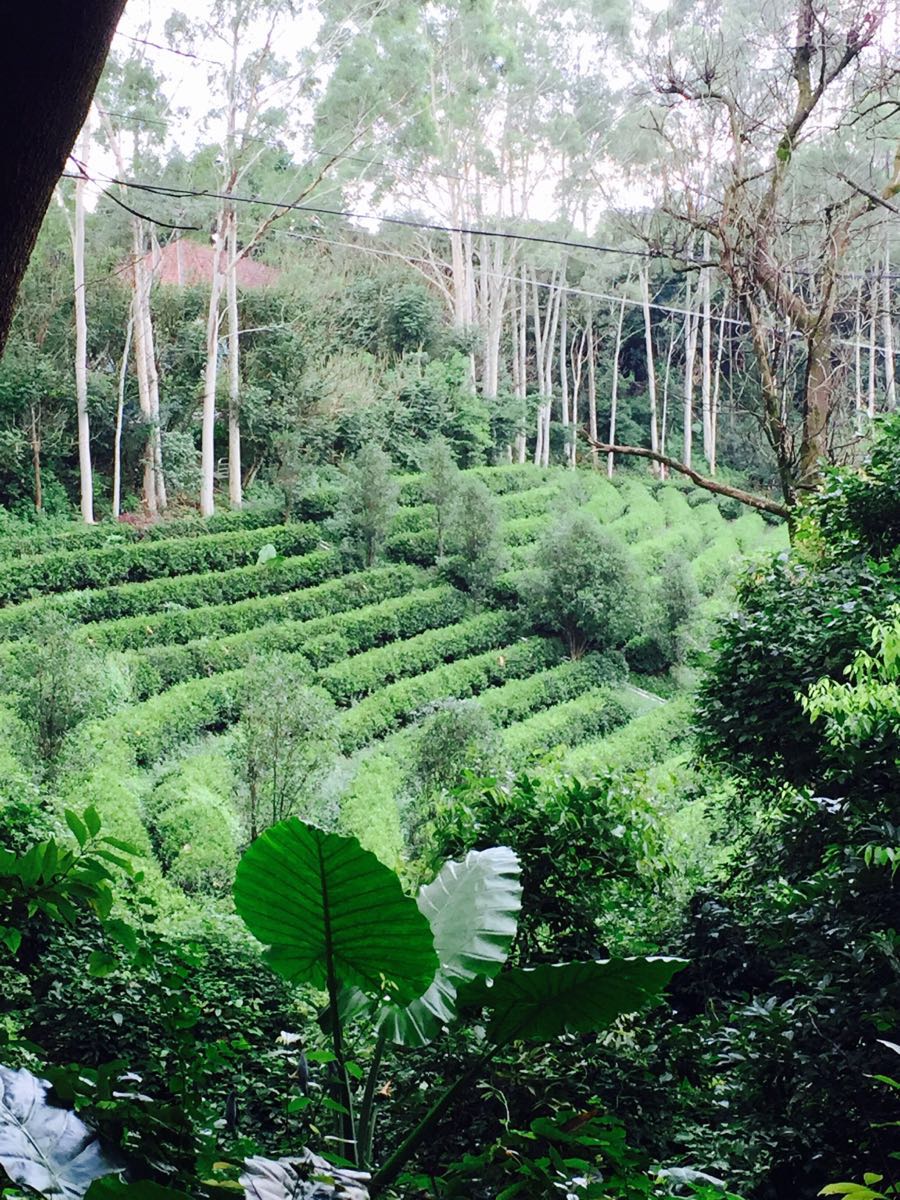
106	534
584	585
285	740
367	505
516	700
475	539
55	685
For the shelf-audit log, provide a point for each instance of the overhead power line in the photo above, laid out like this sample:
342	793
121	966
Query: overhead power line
408	222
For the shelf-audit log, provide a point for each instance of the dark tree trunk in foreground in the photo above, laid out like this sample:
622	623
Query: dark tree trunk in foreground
51	56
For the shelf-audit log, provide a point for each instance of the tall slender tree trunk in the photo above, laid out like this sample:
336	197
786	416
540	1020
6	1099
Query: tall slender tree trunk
81	397
539	365
210	379
706	377
120	408
858	400
36	460
158	482
592	386
690	354
887	318
564	380
520	322
873	311
141	360
651	370
714	407
235	491
614	391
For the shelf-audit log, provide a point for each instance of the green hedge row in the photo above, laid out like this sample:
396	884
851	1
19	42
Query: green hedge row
187	591
644	742
319	600
164	723
591	715
71	570
518	699
510	477
420	545
529	503
111	533
396	704
361	674
321	639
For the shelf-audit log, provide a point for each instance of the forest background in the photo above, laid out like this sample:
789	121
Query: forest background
331	364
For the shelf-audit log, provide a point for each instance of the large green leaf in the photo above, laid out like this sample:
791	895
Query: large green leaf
306	1177
472	907
44	1148
542	1003
320	902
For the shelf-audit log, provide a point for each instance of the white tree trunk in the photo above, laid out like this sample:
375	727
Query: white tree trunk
120	408
81	397
858	399
210	378
157	480
564	379
873	312
614	392
690	354
651	371
887	318
235	491
714	411
706	385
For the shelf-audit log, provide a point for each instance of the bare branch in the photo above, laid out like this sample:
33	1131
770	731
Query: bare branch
761	503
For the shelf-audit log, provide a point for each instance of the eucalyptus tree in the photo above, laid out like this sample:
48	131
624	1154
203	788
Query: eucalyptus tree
132	108
786	207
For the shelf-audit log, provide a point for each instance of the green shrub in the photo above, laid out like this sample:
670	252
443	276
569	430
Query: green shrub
369	808
474	538
68	571
321	640
333	596
363	673
284	743
189	591
646	740
160	725
197	840
584	585
518	699
367	505
715	565
591	715
514	477
396	704
56	684
109	533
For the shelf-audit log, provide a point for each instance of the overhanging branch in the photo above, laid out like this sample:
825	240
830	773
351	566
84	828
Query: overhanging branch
762	503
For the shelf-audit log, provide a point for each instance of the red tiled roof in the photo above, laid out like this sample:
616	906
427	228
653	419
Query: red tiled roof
184	262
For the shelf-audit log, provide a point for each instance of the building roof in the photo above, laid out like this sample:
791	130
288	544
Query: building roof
183	262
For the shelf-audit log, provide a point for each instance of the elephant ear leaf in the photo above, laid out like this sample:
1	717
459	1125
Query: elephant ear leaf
307	1176
331	913
542	1003
42	1147
472	907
